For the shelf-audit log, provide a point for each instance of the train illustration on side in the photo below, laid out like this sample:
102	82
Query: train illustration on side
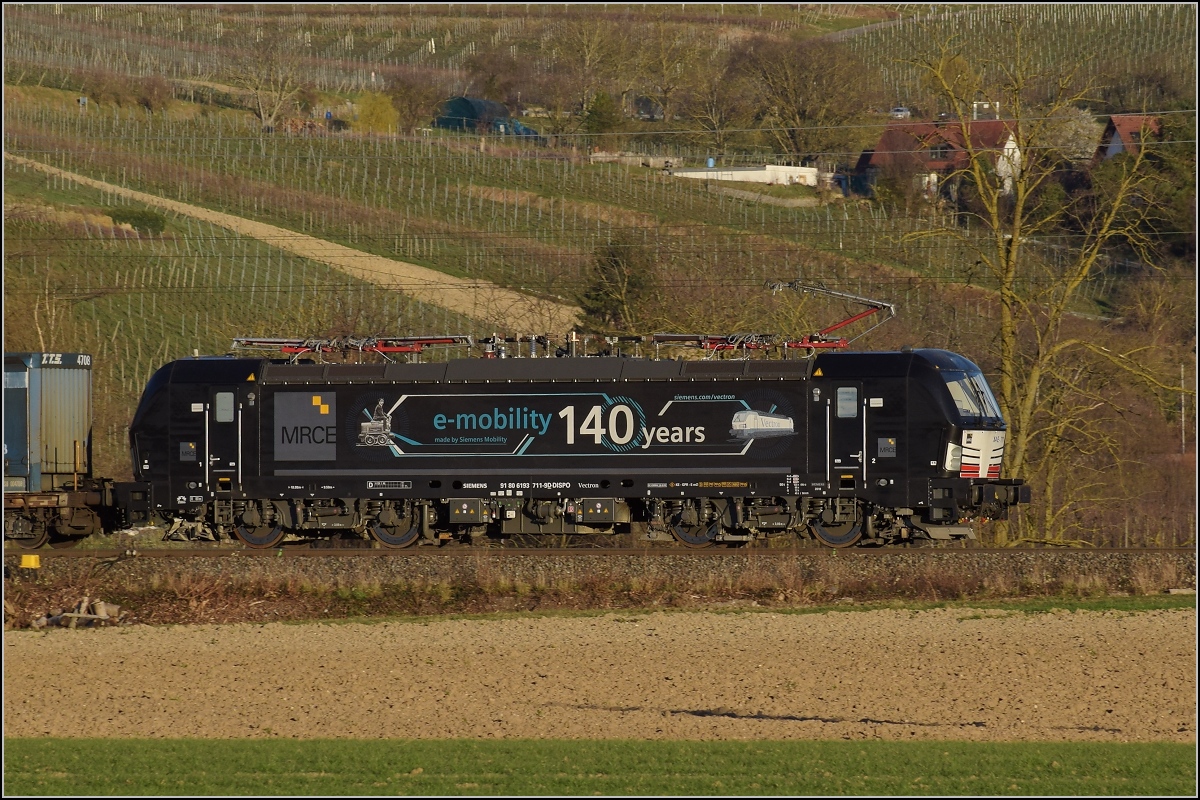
847	448
750	424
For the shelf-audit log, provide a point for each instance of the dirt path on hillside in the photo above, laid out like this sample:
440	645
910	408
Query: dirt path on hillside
949	674
506	310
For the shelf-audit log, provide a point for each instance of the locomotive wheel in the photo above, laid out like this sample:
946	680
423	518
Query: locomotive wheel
696	536
842	534
402	535
60	542
261	537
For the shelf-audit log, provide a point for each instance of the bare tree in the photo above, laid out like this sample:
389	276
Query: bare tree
268	66
668	54
416	102
808	91
557	94
716	100
497	75
619	284
587	51
1051	373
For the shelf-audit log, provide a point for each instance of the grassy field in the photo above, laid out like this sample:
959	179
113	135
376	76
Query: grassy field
66	767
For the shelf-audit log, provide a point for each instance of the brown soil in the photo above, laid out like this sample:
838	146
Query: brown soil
887	674
509	311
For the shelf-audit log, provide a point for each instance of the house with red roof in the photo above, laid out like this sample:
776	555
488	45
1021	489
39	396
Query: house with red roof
930	151
1124	134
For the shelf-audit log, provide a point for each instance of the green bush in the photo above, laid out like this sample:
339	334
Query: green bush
141	220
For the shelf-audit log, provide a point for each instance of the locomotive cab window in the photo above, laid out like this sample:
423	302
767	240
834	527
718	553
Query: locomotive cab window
847	402
224	407
971	395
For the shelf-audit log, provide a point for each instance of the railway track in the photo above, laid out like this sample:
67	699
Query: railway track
304	550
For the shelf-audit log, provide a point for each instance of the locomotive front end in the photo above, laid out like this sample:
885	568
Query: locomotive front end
970	485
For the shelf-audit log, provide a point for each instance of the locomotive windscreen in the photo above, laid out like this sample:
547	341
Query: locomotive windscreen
971	395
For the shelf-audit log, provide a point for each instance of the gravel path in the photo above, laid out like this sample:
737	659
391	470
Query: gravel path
940	674
507	310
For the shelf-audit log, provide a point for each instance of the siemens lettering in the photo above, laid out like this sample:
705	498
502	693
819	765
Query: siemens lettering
305	426
514	419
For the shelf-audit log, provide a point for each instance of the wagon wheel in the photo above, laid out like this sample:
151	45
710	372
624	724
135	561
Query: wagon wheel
260	537
401	535
841	534
38	539
698	535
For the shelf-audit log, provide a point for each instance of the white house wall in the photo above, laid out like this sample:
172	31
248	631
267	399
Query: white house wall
1115	146
770	173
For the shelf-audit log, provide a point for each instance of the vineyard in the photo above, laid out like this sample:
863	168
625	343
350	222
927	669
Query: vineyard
344	51
525	216
352	52
1107	41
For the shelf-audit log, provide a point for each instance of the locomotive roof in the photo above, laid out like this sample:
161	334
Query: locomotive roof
226	369
523	370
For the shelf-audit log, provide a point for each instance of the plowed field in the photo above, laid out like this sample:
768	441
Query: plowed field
938	674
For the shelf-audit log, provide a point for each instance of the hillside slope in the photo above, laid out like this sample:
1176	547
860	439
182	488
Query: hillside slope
506	309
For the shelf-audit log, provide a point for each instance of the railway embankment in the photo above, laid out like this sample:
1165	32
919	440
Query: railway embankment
248	586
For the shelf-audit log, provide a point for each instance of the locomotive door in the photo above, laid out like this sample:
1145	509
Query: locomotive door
846	429
223	439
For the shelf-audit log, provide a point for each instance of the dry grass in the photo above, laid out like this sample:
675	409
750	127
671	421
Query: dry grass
251	590
1148	577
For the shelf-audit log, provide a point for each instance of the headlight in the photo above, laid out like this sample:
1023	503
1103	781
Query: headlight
953	457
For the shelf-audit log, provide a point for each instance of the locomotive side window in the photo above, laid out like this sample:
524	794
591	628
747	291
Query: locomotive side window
847	402
224	407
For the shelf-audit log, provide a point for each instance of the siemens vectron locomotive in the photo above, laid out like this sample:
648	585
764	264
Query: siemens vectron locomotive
848	448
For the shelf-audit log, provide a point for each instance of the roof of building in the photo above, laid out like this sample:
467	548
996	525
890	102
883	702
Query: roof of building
905	140
1128	128
462	111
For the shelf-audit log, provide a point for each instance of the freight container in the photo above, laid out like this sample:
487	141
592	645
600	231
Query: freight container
47	420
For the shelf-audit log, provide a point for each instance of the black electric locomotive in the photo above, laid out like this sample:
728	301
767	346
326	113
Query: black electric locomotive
866	448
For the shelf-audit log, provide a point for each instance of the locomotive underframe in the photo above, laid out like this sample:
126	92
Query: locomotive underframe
837	521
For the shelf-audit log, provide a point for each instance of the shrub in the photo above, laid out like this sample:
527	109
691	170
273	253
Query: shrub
376	114
104	86
154	92
141	220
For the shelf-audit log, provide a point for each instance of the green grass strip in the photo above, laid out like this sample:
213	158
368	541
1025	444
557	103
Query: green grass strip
553	767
